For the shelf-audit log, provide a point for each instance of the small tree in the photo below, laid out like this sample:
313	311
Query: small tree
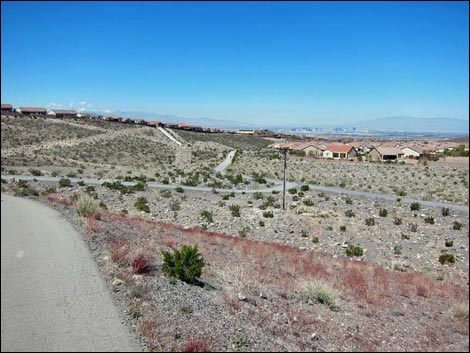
185	264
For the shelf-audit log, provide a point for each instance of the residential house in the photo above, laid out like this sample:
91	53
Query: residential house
31	111
412	152
62	113
339	151
140	122
7	108
154	124
385	154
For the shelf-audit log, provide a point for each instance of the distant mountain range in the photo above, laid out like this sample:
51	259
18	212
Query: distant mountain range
389	124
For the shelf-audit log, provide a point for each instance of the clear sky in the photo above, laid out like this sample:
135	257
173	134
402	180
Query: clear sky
301	62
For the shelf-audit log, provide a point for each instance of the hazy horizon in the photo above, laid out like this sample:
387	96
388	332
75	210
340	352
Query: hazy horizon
257	62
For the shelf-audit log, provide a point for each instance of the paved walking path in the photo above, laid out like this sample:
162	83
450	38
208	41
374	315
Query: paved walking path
52	295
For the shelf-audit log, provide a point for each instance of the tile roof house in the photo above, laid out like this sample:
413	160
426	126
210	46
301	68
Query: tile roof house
385	154
63	113
31	110
339	151
7	108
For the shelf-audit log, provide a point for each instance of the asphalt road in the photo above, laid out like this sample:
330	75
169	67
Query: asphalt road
278	187
52	295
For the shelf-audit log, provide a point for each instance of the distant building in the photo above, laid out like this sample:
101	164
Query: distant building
31	111
7	108
246	132
63	113
155	124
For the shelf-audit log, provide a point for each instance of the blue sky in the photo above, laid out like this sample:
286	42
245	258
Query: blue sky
301	62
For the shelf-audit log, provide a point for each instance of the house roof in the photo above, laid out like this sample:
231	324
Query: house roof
6	106
32	109
386	151
64	111
339	148
414	148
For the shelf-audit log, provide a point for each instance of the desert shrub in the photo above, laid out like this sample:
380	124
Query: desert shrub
405	236
27	191
353	250
445	211
89	189
54	173
429	220
397	221
141	262
175	205
244	231
81	183
348	200
141	204
258	195
165	193
305	187
64	182
461	311
22	183
413	227
35	172
349	213
261	223
235	209
397	249
292	191
179	189
383	212
449	243
315	240
415	206
457	225
185	264
49	190
370	222
308	202
445	258
321	291
87	206
208	216
304	233
71	175
342	228
268	214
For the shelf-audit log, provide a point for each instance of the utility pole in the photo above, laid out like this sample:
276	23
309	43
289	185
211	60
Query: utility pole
284	183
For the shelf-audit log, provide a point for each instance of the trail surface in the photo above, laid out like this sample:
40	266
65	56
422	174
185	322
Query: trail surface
52	296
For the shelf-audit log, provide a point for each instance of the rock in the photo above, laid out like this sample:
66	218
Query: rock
263	295
117	282
241	297
314	336
397	313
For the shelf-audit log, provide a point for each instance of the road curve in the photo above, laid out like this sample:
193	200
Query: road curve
277	187
52	295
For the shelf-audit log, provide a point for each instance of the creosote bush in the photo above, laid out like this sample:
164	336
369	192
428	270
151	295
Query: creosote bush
353	250
445	258
185	264
64	182
415	206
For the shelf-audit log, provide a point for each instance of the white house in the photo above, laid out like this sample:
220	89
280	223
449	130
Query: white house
412	151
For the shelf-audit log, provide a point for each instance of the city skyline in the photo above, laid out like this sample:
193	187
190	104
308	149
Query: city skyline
305	63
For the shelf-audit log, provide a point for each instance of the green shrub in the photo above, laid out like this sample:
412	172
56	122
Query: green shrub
342	228
397	249
258	195
179	189
304	233
429	220
141	204
292	191
445	258
349	213
445	211
305	188
22	183
235	209
370	222
54	173
353	250
175	205
185	264
87	206
349	201
165	193
244	231
27	191
308	202
49	190
64	182
261	223
35	172
415	206
268	214
89	189
383	212
457	225
315	240
397	221
449	243
208	216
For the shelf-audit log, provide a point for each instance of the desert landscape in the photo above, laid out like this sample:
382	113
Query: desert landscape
334	271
